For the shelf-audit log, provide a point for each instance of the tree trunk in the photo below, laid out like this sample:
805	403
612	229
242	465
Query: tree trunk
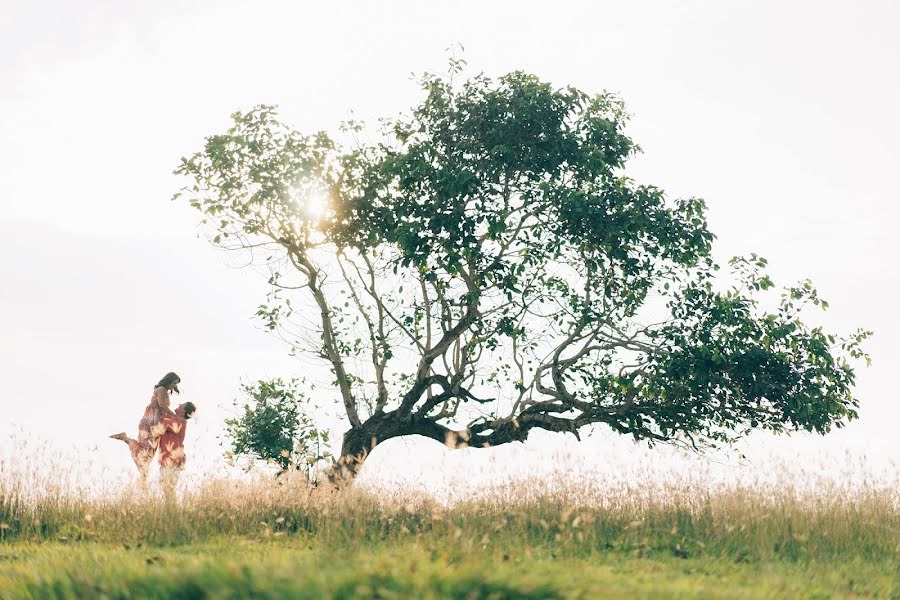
360	441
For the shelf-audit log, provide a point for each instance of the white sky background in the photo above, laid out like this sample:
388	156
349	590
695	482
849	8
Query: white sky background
783	116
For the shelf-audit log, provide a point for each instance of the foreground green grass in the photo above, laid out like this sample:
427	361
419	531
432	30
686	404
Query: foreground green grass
431	567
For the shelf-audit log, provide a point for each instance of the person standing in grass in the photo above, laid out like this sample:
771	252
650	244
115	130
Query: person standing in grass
171	449
151	427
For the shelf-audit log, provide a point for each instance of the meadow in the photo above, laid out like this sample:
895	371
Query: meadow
263	537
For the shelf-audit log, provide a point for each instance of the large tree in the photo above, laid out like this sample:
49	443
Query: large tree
481	267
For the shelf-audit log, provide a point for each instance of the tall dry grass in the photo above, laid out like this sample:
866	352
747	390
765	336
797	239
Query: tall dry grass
746	522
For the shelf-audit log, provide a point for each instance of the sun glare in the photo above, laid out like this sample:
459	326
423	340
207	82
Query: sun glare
315	206
311	203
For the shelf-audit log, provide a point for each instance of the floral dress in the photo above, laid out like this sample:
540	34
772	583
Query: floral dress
150	430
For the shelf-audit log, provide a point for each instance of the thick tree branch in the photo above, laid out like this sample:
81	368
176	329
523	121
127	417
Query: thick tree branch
328	337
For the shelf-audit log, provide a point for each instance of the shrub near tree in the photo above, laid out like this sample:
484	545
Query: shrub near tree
273	424
482	267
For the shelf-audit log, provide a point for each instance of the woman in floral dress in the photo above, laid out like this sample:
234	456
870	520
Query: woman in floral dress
151	427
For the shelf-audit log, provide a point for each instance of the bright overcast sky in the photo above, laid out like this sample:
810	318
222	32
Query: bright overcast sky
782	115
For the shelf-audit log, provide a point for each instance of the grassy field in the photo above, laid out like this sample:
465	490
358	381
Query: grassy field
275	540
298	567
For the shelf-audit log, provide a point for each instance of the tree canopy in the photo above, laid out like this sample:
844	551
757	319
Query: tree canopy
481	266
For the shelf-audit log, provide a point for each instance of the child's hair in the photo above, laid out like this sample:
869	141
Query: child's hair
189	409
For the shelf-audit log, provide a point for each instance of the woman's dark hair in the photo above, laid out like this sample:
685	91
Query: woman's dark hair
168	380
189	409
